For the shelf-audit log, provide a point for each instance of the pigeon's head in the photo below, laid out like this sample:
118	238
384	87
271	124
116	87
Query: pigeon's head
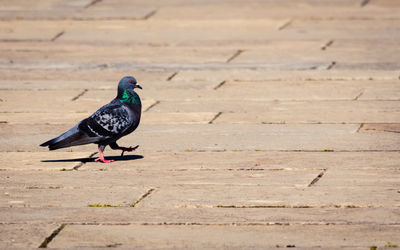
126	90
127	84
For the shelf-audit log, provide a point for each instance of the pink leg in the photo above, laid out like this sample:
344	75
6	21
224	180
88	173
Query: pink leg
101	158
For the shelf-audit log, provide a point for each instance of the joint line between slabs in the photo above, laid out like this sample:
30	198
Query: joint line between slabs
328	44
83	163
92	3
172	76
316	179
143	197
79	95
359	95
391	131
364	3
80	164
103	66
220	85
361	125
152	105
52	236
236	54
57	36
285	25
336	151
150	14
22	40
330	66
215	117
341	206
268	223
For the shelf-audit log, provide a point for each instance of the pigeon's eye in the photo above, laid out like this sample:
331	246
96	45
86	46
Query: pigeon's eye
131	81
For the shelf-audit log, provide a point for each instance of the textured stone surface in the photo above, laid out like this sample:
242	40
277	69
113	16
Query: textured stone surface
24	235
159	236
265	124
217	137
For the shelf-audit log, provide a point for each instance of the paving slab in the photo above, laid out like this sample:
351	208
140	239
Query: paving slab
328	29
19	4
218	137
22	161
311	90
166	31
262	111
201	76
362	51
380	127
263	137
205	161
282	75
76	80
298	51
24	236
273	51
77	10
77	101
59	84
379	93
27	31
254	196
345	54
222	236
71	118
16	101
221	31
261	91
69	66
339	177
248	186
263	216
162	89
71	190
25	54
250	161
300	178
27	117
282	9
228	98
55	196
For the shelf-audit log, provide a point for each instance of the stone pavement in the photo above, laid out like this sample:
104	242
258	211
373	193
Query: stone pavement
265	124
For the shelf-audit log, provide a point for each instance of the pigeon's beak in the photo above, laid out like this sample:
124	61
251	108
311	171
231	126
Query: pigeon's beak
138	86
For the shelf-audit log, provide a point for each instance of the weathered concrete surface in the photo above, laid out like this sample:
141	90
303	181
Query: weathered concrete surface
23	235
201	215
218	137
223	236
265	124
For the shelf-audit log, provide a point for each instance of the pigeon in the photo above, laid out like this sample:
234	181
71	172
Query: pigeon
104	127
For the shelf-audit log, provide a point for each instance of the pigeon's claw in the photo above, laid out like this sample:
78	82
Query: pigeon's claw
130	149
104	160
101	158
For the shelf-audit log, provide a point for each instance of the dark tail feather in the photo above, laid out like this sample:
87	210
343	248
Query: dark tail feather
72	137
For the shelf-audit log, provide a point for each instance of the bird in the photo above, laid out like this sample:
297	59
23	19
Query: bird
109	123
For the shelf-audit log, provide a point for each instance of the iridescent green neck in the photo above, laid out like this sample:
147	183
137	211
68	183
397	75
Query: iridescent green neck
126	97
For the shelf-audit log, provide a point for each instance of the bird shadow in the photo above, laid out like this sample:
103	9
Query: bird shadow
115	158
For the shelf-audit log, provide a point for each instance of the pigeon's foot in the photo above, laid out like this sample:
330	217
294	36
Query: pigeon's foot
104	160
130	149
101	158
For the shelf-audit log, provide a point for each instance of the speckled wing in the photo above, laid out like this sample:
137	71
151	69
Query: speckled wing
111	120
